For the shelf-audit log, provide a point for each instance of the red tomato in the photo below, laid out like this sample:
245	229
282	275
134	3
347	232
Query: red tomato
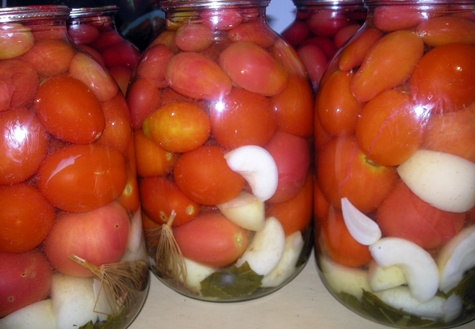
23	145
315	61
387	64
222	19
254	32
292	157
253	68
161	196
117	131
327	22
451	133
353	54
80	178
197	76
121	54
401	17
406	216
345	34
295	214
336	241
153	64
324	43
178	127
211	239
107	39
50	57
23	228
444	79
26	279
204	176
22	80
296	33
343	170
152	159
99	236
143	98
83	33
336	107
194	37
448	29
121	75
293	107
69	110
389	128
242	118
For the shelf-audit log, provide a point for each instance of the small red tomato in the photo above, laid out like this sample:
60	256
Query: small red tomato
211	239
26	279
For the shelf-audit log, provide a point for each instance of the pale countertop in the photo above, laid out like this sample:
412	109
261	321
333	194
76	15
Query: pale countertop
303	303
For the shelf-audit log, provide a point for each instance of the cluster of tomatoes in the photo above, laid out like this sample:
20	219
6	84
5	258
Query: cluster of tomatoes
320	30
67	172
206	87
94	31
404	83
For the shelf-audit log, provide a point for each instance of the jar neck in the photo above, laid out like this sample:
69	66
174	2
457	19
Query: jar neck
166	5
31	14
97	16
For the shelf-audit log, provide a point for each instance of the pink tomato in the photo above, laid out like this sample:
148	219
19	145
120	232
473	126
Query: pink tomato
99	236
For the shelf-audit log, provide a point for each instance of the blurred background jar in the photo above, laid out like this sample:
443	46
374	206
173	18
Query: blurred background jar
320	29
72	252
223	116
394	198
94	31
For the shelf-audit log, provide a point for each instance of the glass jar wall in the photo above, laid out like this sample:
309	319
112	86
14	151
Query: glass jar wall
394	198
223	110
93	30
72	252
320	29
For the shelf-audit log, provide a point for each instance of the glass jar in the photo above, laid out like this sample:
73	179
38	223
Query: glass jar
223	110
93	29
394	199
72	252
320	29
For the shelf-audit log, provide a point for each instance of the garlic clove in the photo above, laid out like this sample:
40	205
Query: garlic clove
418	266
39	315
456	257
362	228
246	210
443	180
266	248
257	166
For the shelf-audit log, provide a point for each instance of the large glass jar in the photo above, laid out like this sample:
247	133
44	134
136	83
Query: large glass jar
395	191
320	29
93	29
223	110
72	252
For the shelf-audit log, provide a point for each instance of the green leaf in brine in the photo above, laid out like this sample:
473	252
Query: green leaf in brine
112	322
466	290
232	282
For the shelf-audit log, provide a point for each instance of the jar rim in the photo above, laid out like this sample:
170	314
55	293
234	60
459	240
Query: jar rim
416	2
92	11
327	2
167	4
8	14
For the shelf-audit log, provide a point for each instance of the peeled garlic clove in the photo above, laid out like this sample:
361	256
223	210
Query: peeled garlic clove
362	228
195	273
418	266
340	278
258	168
456	257
245	211
443	180
402	299
73	301
380	278
266	248
39	315
293	247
